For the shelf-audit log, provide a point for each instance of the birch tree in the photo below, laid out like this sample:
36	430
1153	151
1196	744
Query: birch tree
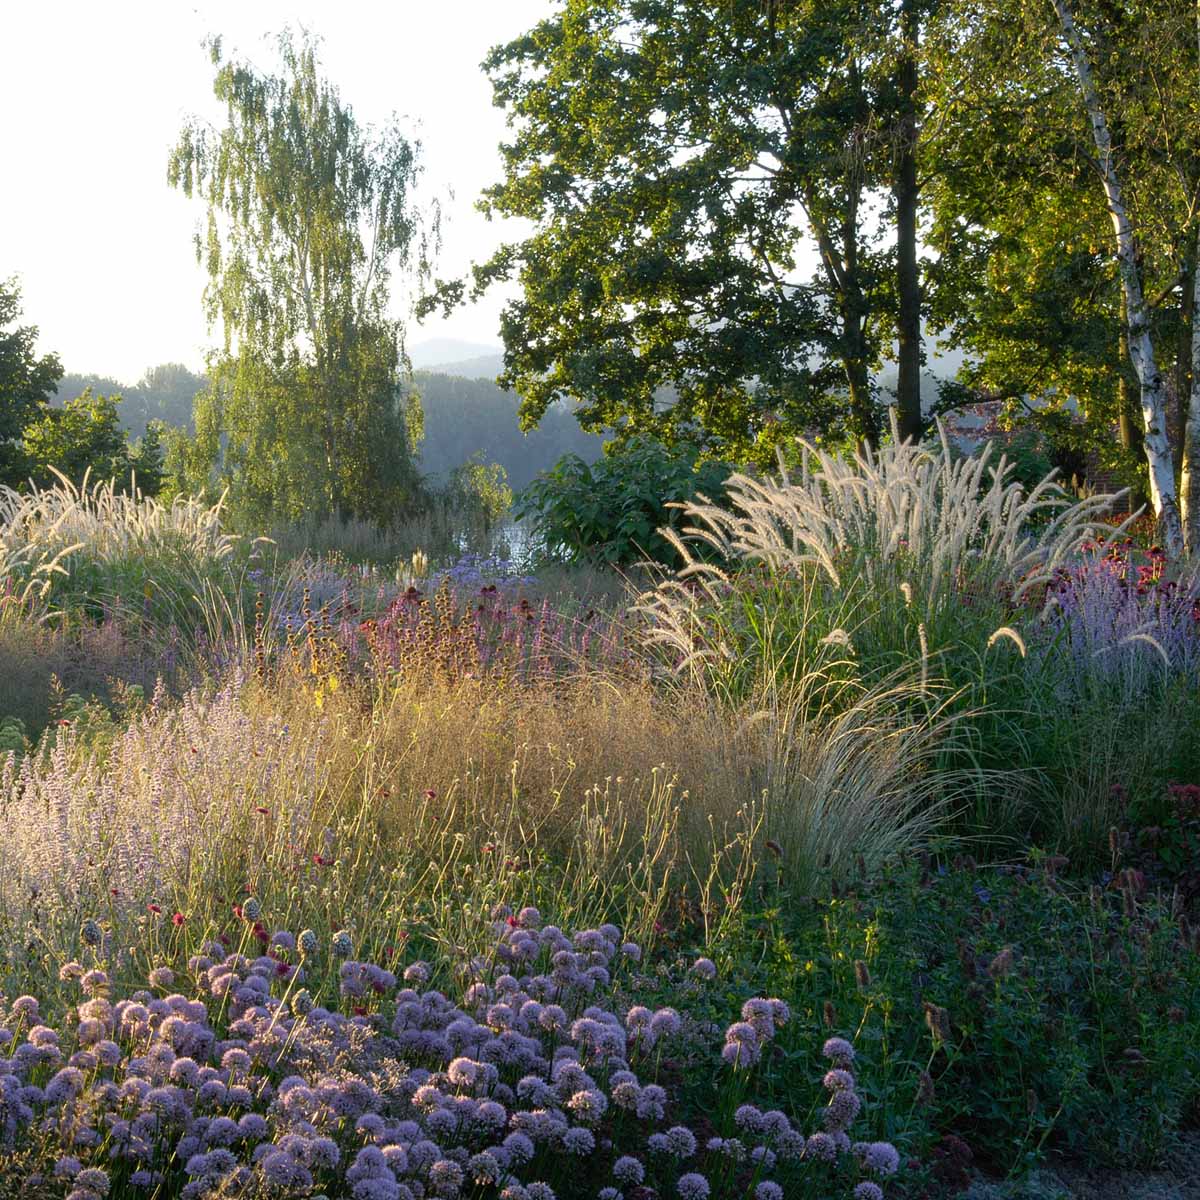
308	213
1163	494
1189	475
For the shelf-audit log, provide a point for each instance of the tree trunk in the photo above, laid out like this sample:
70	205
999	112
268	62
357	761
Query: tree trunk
1183	357
1141	348
908	324
1189	483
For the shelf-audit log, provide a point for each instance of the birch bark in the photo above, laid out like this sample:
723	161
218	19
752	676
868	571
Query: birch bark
1163	494
1189	475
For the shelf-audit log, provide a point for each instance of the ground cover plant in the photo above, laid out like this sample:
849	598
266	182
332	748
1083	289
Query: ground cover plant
757	789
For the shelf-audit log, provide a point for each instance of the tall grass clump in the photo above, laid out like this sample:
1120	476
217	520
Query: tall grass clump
77	546
909	562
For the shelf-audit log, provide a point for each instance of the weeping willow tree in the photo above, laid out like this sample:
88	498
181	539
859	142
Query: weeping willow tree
309	215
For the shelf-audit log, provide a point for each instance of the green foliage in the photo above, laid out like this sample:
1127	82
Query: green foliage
611	511
674	159
26	384
84	437
1018	1011
481	487
308	214
164	395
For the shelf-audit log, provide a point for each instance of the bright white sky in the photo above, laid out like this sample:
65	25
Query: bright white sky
95	94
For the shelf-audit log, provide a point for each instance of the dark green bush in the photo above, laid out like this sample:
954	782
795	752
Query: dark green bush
1019	1012
610	511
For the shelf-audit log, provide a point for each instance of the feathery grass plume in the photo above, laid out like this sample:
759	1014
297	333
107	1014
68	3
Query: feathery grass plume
905	527
42	529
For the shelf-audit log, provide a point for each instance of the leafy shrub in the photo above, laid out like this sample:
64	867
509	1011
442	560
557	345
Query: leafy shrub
612	510
84	439
1021	1012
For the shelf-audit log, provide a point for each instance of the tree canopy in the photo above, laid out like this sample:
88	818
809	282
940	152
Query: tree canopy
308	215
26	384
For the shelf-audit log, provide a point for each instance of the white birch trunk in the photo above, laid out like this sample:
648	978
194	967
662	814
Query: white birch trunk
1141	348
1189	482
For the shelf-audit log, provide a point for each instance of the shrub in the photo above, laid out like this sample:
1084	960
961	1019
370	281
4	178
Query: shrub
613	510
1013	1009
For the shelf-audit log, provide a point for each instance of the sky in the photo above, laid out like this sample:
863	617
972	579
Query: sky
94	97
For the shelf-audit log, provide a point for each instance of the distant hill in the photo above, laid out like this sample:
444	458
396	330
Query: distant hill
486	366
436	354
473	416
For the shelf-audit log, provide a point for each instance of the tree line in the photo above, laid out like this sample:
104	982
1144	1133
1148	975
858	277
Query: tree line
739	213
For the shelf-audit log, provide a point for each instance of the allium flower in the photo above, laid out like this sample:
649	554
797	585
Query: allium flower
632	951
161	977
94	1179
539	1191
839	1051
302	1003
665	1023
94	982
748	1117
588	1104
868	1191
91	932
837	1080
651	1103
342	944
880	1157
307	942
692	1187
251	908
608	1193
821	1147
628	1171
681	1141
768	1190
740	1054
704	968
67	1168
579	1141
742	1032
417	972
520	1147
844	1106
69	972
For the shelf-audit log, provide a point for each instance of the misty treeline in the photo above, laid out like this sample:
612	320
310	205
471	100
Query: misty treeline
462	419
